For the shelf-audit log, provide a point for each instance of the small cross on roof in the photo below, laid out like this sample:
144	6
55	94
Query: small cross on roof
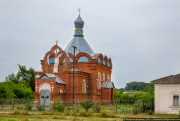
56	42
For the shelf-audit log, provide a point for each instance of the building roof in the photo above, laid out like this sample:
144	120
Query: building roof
49	76
59	80
172	79
76	70
107	84
81	44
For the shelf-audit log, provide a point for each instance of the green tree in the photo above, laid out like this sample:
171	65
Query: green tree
135	85
27	75
125	96
8	89
2	91
20	85
12	77
149	88
23	90
117	94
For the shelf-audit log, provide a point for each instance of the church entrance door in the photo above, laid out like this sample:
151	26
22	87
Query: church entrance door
45	98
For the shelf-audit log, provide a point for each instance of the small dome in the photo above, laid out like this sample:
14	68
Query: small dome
79	21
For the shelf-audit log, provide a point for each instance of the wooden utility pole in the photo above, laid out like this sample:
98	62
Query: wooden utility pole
74	48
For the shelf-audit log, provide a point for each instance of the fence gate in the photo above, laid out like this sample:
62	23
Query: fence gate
45	98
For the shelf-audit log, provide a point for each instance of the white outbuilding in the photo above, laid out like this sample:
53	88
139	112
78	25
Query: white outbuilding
167	94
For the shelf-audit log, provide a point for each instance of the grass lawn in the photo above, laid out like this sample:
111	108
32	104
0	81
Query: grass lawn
108	113
55	116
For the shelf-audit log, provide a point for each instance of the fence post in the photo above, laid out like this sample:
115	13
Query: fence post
143	106
2	101
28	105
116	106
13	103
152	105
54	105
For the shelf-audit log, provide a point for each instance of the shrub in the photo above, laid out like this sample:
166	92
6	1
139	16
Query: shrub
83	113
16	112
97	108
19	108
150	112
128	109
138	105
74	112
76	108
67	111
135	110
90	112
59	107
87	104
111	114
39	108
104	114
28	106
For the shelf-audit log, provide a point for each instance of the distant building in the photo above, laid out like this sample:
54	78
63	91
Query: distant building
129	93
167	94
91	73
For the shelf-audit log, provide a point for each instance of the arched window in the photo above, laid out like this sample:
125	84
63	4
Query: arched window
84	86
83	59
51	60
108	64
99	60
99	81
108	77
70	59
104	62
64	61
104	78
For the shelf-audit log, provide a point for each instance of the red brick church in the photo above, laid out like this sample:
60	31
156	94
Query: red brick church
74	74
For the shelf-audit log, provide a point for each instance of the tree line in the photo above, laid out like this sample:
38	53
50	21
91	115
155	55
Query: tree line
20	85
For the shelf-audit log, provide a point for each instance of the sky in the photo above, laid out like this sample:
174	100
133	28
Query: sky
142	37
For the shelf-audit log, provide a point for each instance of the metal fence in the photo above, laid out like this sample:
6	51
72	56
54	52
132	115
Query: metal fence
118	106
13	103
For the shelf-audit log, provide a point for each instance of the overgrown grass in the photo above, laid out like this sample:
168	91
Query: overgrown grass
105	113
103	116
22	112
